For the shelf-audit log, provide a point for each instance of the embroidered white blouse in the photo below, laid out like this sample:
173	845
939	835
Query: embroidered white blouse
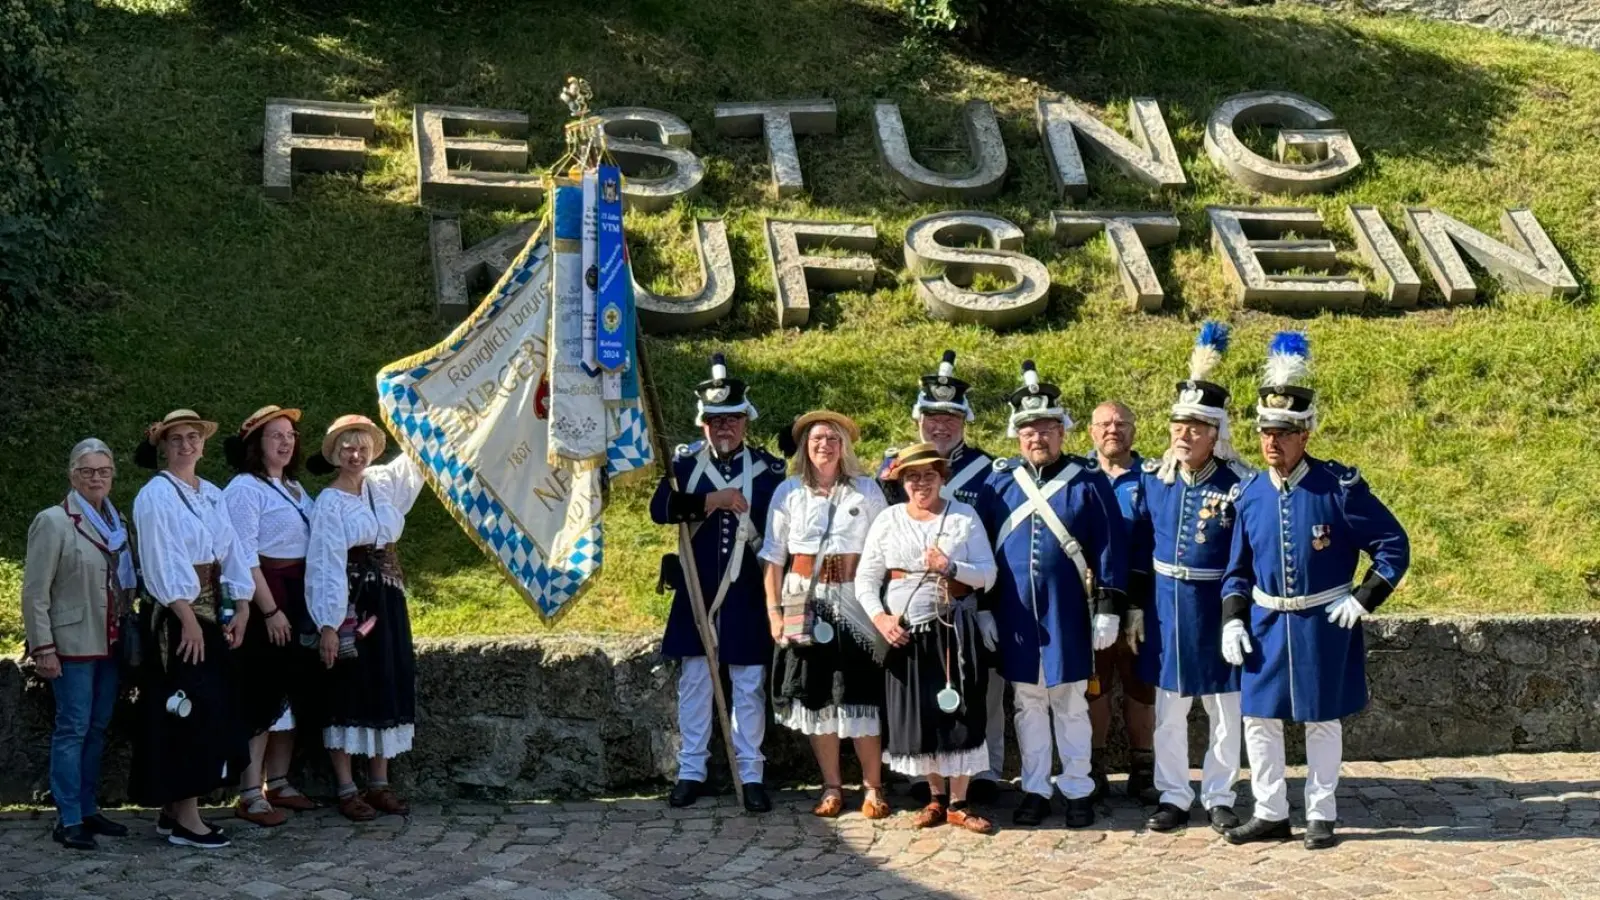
341	520
180	528
897	541
267	518
798	517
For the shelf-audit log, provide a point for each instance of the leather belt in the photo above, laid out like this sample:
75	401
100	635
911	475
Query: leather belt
274	562
840	568
957	589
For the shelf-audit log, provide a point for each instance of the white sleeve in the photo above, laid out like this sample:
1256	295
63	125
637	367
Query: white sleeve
775	548
327	587
168	574
237	580
975	565
876	502
873	569
242	505
397	482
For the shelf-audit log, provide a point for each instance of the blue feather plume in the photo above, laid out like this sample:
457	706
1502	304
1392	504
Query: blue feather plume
1288	359
1213	334
1289	343
1209	346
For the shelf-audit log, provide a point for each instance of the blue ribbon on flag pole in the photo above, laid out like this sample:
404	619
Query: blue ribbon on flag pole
614	337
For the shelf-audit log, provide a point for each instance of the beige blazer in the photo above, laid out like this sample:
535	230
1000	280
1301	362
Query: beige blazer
68	587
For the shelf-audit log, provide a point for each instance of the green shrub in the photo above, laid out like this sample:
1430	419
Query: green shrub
46	195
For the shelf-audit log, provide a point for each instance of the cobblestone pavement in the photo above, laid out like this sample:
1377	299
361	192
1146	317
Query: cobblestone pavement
1517	826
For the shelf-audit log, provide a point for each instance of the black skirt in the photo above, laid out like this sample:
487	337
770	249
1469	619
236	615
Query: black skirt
273	678
841	673
176	758
915	674
377	689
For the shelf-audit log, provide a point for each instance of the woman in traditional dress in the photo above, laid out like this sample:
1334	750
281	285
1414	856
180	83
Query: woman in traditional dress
936	558
357	598
827	683
279	679
192	741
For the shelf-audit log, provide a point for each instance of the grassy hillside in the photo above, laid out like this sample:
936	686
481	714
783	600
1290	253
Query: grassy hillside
1474	422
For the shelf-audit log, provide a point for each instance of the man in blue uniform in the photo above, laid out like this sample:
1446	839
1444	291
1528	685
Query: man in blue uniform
1187	502
723	486
1292	614
942	413
1112	430
1062	559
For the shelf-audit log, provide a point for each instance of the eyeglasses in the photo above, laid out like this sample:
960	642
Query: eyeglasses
1034	431
1113	425
823	439
284	437
723	421
95	471
193	437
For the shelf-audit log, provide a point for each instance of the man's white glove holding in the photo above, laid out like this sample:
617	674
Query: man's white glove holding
1235	642
1347	612
988	630
1106	629
1133	631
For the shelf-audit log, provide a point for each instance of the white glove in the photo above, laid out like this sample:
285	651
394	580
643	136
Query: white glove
1106	629
1133	631
988	630
1347	612
1236	642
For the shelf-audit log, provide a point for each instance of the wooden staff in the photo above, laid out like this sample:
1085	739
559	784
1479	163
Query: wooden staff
691	573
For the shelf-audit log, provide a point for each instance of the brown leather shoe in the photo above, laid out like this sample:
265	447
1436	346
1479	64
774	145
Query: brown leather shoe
831	804
873	806
356	809
929	816
971	821
387	801
269	818
296	802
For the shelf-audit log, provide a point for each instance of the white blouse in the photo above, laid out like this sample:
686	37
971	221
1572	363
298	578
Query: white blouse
267	518
896	541
175	536
341	520
798	517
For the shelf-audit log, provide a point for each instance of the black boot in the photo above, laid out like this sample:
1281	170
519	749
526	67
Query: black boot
99	824
1080	812
1319	834
1033	810
1097	774
756	799
1168	817
685	792
76	837
1223	818
1142	778
1258	830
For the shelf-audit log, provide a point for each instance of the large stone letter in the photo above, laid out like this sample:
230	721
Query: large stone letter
948	295
984	144
662	315
461	276
1532	265
643	138
793	274
1153	161
1397	280
312	136
779	122
1246	238
1127	234
1307	133
451	166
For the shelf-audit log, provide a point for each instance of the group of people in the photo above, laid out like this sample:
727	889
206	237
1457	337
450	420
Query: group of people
241	613
894	610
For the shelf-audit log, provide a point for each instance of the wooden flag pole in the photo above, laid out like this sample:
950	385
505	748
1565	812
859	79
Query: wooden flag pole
691	574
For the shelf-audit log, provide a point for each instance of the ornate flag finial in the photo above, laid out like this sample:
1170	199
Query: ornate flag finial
576	95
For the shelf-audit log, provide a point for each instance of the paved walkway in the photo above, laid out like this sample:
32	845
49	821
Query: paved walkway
1516	826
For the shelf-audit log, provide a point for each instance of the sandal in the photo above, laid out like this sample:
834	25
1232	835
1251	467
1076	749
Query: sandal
874	806
832	803
356	809
387	801
929	816
296	802
971	821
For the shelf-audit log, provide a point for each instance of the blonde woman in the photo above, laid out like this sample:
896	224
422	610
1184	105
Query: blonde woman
829	684
357	598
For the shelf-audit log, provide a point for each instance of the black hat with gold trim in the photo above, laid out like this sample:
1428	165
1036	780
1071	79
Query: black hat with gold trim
720	395
943	392
1285	400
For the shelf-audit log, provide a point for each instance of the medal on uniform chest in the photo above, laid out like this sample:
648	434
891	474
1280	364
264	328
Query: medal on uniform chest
1205	512
1199	537
1320	537
822	632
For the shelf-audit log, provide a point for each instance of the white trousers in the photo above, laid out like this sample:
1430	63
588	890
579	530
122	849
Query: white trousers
994	731
696	710
1221	766
1263	740
1068	706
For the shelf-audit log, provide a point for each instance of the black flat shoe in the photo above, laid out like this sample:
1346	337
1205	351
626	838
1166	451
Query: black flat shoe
982	791
1258	830
756	799
1168	817
1080	812
685	792
183	837
1223	818
165	824
1319	835
75	837
921	793
1033	810
99	824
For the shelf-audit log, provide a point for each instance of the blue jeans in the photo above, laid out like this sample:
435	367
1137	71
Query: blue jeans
86	693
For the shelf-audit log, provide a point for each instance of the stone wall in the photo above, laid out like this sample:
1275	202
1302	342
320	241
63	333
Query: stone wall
1570	21
573	716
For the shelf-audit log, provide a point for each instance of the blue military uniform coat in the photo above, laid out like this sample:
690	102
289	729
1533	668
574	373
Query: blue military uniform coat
1039	600
743	637
1129	489
969	466
1299	540
1185	541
